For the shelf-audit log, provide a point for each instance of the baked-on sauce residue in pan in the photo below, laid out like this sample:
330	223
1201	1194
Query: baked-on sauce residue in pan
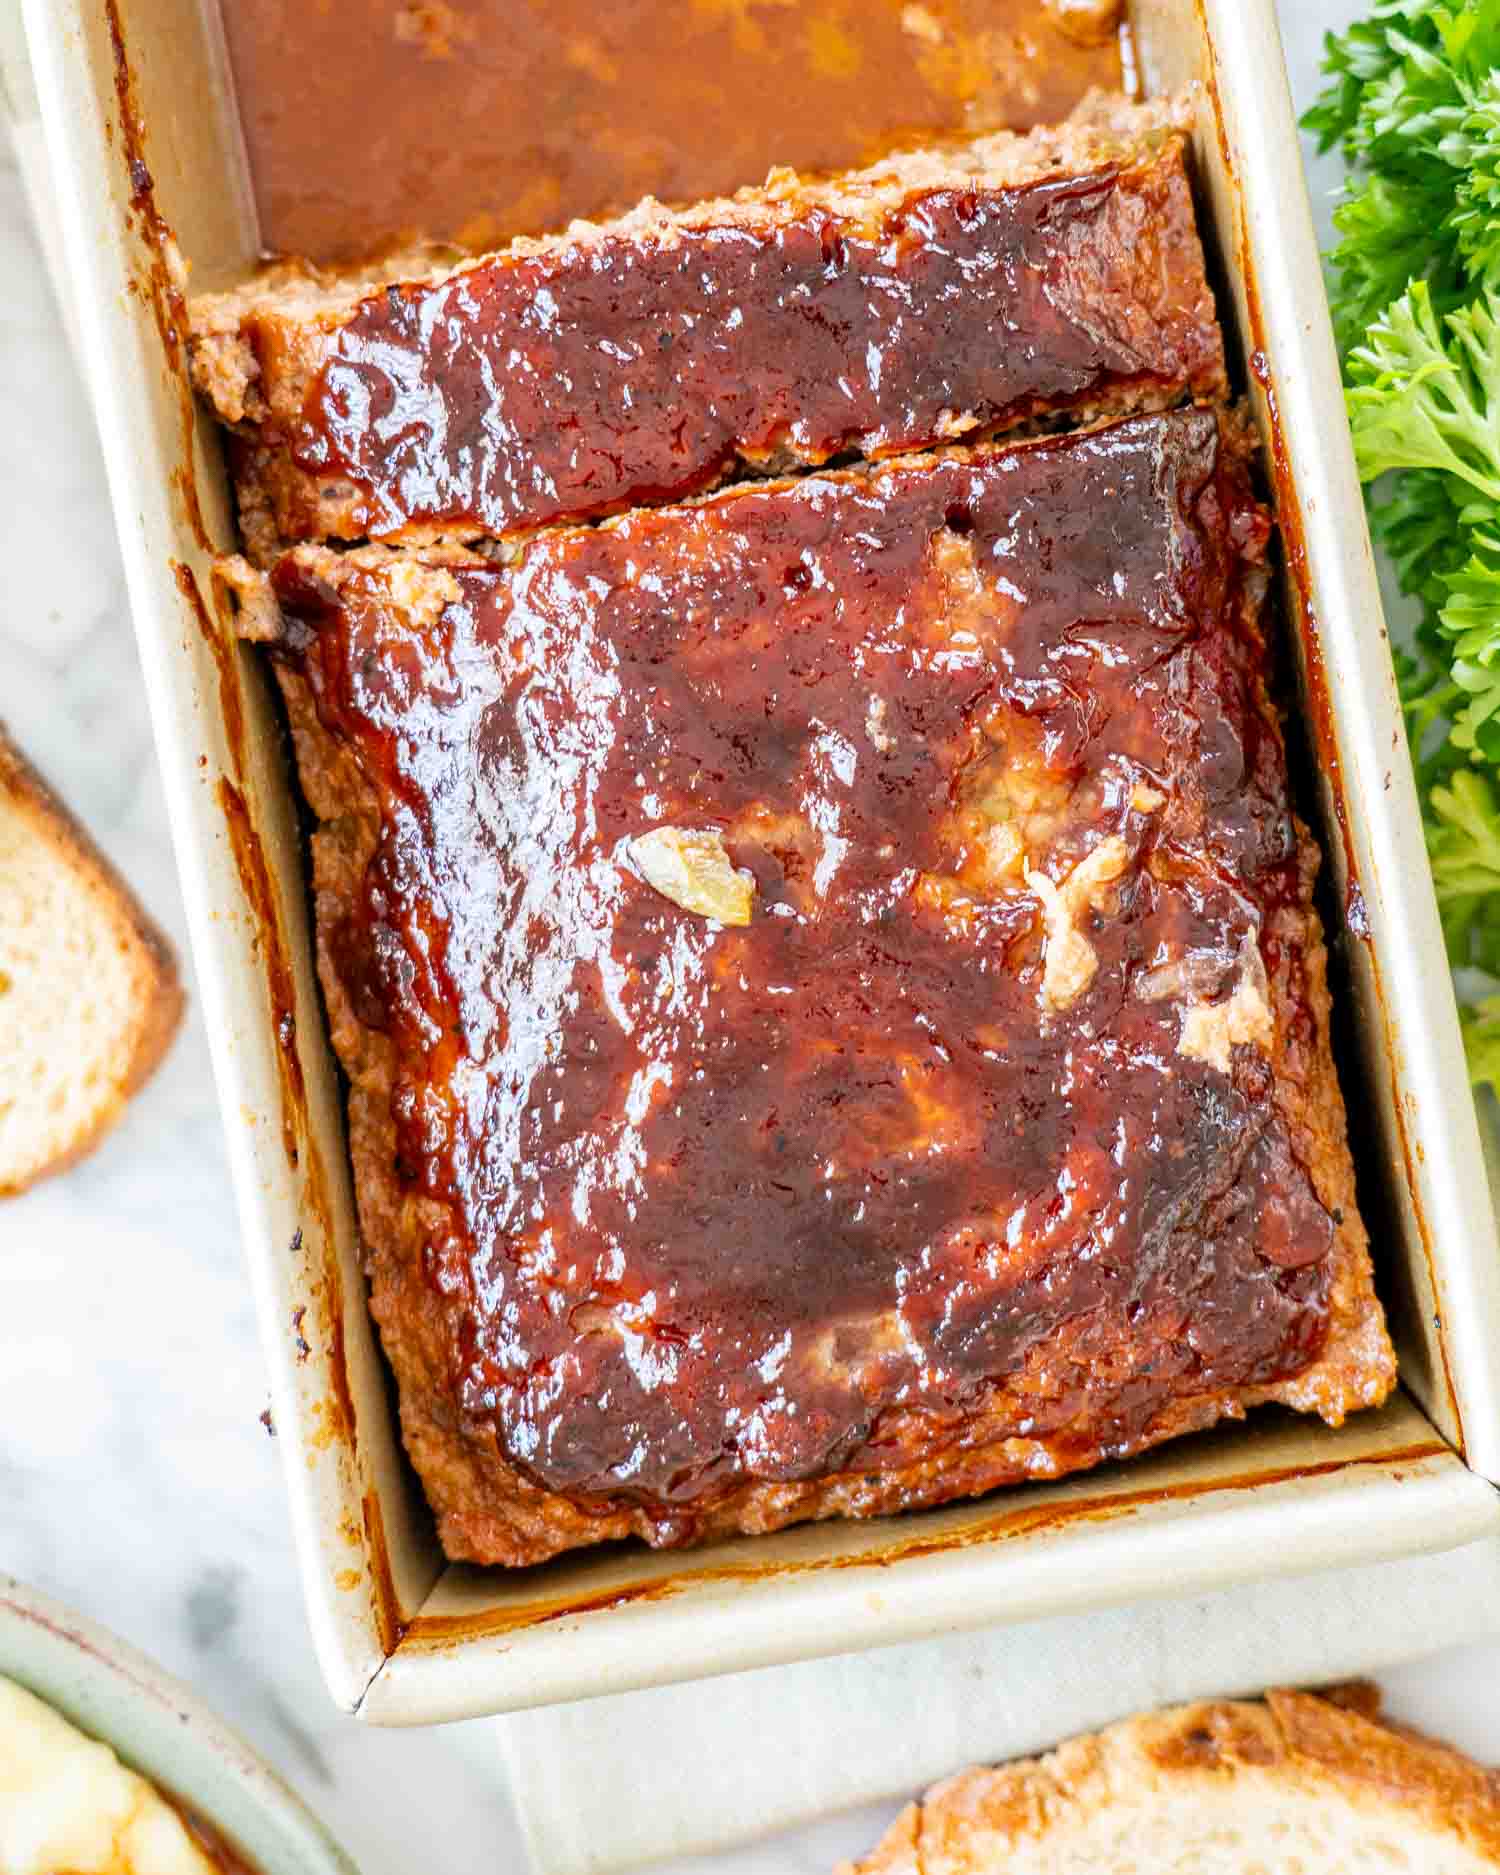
473	120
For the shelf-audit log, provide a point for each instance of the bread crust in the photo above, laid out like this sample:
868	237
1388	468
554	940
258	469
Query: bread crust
157	992
1290	1744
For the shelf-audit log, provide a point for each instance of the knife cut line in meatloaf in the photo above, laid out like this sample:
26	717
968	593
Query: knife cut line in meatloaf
828	978
936	296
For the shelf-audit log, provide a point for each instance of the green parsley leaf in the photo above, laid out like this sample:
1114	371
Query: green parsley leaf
1463	841
1393	231
1413	101
1361	58
1423	398
1471	621
1420	524
1481	1027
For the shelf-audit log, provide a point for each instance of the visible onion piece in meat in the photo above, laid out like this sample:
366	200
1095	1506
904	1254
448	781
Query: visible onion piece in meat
1069	959
690	866
1211	1029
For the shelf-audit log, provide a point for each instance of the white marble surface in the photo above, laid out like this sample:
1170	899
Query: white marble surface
136	1481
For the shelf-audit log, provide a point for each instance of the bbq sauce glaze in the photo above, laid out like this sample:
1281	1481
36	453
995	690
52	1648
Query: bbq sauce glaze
727	1203
639	366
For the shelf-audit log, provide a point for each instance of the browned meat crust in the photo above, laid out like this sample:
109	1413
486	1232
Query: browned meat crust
935	296
1003	1138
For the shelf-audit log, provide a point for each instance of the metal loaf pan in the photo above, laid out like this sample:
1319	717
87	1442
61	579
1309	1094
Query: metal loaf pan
404	1638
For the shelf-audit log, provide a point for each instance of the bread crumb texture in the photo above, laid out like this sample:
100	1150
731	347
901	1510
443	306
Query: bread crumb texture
89	996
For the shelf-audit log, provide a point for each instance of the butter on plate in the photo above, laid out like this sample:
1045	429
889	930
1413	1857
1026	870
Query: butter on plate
66	1802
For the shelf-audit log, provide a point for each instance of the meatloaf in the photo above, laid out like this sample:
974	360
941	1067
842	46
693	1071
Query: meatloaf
834	1010
935	296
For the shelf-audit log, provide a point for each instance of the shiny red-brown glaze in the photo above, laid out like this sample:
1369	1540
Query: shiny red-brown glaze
720	1202
636	367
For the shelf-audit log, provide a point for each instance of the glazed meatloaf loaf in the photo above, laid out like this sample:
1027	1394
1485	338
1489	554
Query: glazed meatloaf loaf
828	979
935	296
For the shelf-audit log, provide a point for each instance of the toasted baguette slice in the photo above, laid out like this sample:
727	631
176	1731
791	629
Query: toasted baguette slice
89	993
1293	1785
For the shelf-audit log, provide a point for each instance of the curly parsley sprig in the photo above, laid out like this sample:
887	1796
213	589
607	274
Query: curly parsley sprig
1413	101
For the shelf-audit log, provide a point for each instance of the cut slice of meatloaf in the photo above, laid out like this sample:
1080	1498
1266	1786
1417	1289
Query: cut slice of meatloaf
934	296
833	1005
